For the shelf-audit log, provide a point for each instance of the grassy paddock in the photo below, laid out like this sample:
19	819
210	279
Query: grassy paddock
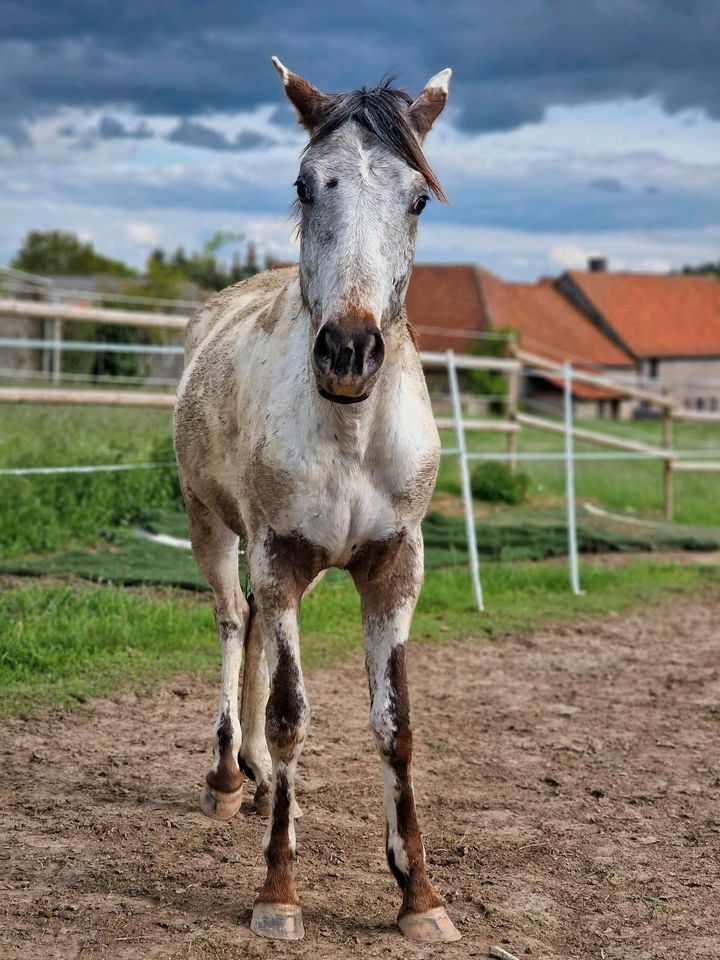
61	644
49	512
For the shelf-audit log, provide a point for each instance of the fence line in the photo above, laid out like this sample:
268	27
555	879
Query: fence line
92	346
90	468
67	311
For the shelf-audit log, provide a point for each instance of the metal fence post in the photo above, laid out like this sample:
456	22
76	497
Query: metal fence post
465	481
570	480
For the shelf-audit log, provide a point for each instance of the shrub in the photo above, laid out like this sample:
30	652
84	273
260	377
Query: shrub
494	483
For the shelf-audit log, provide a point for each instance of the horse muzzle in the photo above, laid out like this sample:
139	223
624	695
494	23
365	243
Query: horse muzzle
347	357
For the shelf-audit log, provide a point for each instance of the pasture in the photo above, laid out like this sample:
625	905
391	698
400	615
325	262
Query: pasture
569	742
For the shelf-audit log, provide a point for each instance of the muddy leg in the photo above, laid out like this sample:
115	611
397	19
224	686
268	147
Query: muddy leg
281	569
216	551
255	759
388	577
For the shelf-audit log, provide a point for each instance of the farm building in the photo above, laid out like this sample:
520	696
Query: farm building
669	325
663	328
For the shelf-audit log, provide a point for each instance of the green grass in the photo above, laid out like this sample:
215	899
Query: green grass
45	514
633	487
61	644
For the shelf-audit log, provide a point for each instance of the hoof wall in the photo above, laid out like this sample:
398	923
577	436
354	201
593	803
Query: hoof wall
277	921
218	805
431	925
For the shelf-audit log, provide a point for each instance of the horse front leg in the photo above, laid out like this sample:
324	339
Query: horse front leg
216	550
388	576
281	569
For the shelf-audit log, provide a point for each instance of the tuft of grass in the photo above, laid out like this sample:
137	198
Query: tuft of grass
64	644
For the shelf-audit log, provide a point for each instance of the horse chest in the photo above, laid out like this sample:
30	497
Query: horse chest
336	502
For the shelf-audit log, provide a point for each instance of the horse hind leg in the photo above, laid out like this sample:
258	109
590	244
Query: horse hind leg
216	551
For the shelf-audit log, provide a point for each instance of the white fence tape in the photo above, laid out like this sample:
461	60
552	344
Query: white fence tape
90	468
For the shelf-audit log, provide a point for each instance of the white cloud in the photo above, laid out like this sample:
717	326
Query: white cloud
144	234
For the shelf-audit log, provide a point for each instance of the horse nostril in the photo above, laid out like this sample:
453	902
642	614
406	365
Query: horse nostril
374	352
347	353
322	351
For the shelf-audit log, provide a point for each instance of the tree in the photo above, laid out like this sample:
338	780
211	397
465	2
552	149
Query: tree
491	383
704	269
61	252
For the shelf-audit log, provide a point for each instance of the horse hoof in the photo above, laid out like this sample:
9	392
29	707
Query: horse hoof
429	925
277	921
218	805
263	800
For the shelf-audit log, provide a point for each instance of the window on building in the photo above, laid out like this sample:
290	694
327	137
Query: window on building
700	403
714	404
653	368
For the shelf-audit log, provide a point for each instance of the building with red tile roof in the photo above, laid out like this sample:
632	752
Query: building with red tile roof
669	324
664	328
444	305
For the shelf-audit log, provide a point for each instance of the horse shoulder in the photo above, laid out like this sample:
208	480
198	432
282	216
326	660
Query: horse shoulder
235	304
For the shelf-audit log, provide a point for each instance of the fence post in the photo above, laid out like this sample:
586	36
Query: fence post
465	481
668	463
513	395
570	480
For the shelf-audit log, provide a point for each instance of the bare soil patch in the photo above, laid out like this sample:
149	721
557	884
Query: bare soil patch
568	783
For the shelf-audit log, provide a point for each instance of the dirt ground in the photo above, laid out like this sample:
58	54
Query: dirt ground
568	783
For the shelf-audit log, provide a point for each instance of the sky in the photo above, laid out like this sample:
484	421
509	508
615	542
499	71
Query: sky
572	129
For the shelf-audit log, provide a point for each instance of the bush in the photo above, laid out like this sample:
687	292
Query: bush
494	483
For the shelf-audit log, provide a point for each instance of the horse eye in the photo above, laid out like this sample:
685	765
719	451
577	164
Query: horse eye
419	204
304	194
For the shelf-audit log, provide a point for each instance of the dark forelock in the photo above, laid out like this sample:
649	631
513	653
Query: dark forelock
383	110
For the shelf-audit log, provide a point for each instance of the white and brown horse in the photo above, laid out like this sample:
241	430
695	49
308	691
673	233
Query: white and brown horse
303	426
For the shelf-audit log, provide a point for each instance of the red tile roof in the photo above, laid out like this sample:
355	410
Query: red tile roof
547	323
657	315
444	306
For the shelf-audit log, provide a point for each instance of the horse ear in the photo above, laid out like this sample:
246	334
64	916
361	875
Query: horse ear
310	103
430	103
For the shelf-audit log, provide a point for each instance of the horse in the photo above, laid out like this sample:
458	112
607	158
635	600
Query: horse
303	427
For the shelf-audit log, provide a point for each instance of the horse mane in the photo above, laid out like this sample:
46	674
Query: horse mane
383	110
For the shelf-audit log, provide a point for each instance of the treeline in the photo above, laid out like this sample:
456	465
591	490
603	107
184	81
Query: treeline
704	269
166	274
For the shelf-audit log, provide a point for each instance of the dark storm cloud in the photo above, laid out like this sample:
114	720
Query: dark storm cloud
194	134
511	60
110	128
198	135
